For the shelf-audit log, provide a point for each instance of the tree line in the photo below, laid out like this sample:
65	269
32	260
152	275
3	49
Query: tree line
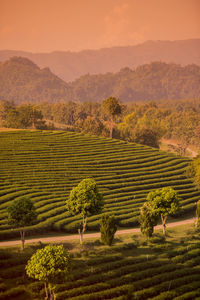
145	123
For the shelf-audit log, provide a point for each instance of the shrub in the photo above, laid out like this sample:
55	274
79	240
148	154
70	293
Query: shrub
108	228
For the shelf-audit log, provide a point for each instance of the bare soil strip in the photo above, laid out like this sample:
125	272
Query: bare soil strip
58	239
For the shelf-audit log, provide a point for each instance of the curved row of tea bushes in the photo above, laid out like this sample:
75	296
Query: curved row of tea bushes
46	165
122	271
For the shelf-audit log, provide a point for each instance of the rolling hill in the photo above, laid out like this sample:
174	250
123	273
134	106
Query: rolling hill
44	166
71	65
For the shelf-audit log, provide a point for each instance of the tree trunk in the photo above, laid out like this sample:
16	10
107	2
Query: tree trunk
22	234
81	232
51	294
46	291
33	125
164	219
197	222
54	296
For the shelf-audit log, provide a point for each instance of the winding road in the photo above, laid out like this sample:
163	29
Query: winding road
58	239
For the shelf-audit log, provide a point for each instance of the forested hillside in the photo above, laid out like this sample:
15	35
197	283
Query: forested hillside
148	82
71	65
21	80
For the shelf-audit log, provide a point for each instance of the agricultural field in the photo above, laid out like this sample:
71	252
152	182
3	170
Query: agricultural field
45	165
162	268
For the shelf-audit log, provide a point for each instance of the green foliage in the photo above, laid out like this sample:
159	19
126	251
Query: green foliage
162	269
24	116
111	106
22	213
190	171
50	264
45	166
198	213
147	220
196	164
198	209
85	198
163	201
193	171
90	125
108	227
5	107
146	136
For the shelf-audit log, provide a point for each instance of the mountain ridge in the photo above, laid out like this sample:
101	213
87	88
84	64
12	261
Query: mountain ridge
70	65
21	80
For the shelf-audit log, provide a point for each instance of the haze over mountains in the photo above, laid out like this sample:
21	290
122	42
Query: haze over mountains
22	80
71	65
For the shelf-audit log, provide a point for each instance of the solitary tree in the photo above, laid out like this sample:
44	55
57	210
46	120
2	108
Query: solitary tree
22	213
147	219
85	199
108	227
112	107
50	265
163	202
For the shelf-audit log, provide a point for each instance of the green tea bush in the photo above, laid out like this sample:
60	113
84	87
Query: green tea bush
13	293
47	165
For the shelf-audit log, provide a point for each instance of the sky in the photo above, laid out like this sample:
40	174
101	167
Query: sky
75	25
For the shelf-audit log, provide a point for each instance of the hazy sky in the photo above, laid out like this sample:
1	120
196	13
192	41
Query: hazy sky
49	25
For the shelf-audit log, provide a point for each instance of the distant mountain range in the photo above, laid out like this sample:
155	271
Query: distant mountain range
22	80
71	65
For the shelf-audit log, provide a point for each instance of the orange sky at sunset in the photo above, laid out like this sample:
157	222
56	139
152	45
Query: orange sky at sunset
49	25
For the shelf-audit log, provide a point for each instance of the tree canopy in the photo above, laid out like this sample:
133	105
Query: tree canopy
85	199
22	213
50	265
163	202
108	227
112	107
147	219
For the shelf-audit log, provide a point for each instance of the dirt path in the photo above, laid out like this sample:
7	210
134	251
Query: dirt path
57	239
175	143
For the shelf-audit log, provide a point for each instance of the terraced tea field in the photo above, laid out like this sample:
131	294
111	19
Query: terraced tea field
130	269
45	166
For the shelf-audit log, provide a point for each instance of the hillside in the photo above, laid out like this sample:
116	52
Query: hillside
71	65
21	80
154	81
46	165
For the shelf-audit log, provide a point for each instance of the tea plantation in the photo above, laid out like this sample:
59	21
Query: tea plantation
161	269
45	165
